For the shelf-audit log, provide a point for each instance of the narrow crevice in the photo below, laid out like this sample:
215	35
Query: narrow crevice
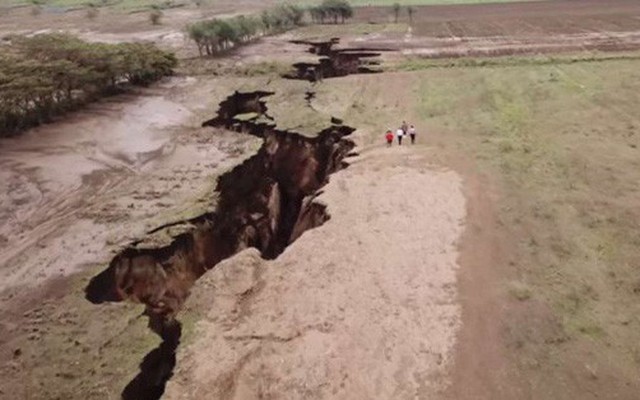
309	96
157	366
267	202
335	62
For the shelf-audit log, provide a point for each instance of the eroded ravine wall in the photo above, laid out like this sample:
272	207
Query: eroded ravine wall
265	203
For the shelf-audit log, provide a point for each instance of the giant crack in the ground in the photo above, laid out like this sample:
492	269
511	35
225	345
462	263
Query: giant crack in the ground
267	202
334	62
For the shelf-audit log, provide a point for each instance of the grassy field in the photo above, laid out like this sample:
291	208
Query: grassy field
563	140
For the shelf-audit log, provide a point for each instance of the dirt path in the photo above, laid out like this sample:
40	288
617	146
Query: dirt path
362	307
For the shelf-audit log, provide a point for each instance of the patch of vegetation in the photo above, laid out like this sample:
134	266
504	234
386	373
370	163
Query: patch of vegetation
272	68
520	291
420	63
92	11
218	35
212	67
332	10
155	15
561	136
62	347
46	75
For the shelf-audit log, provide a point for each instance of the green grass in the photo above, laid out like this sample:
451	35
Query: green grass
418	63
562	137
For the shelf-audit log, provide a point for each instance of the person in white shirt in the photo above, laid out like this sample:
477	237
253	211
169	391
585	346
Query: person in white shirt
412	134
400	135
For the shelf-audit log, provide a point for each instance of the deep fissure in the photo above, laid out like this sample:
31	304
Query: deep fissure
334	62
266	202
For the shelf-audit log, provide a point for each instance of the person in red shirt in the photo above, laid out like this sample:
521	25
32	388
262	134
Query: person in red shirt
389	137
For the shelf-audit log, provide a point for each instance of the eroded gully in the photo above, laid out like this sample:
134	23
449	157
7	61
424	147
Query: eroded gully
267	202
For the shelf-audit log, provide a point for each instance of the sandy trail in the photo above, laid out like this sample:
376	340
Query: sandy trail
363	307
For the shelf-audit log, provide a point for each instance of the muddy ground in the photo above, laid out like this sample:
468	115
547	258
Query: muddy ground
399	294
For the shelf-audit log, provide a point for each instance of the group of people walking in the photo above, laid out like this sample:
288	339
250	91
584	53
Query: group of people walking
401	132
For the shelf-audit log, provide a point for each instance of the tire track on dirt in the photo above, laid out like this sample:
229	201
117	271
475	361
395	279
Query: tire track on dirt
49	218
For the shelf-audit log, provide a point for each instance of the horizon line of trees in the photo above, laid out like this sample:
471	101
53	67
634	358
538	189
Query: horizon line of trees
46	75
331	10
218	35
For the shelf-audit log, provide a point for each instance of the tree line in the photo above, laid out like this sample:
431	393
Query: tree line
45	75
331	10
218	35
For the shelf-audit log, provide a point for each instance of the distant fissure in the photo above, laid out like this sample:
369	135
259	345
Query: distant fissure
335	62
267	202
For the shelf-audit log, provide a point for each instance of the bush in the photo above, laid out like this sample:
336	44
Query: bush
92	12
45	75
155	16
217	35
331	10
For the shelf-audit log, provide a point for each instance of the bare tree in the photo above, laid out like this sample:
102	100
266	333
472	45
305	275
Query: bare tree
396	11
411	11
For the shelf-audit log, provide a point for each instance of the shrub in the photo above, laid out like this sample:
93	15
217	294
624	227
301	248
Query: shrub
92	11
47	74
217	35
155	16
318	14
333	10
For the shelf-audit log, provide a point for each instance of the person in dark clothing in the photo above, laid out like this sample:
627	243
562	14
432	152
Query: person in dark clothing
400	135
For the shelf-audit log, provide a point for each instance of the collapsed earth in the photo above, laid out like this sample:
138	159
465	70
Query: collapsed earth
199	200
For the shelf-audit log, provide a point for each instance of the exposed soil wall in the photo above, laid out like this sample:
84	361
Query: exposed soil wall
266	203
